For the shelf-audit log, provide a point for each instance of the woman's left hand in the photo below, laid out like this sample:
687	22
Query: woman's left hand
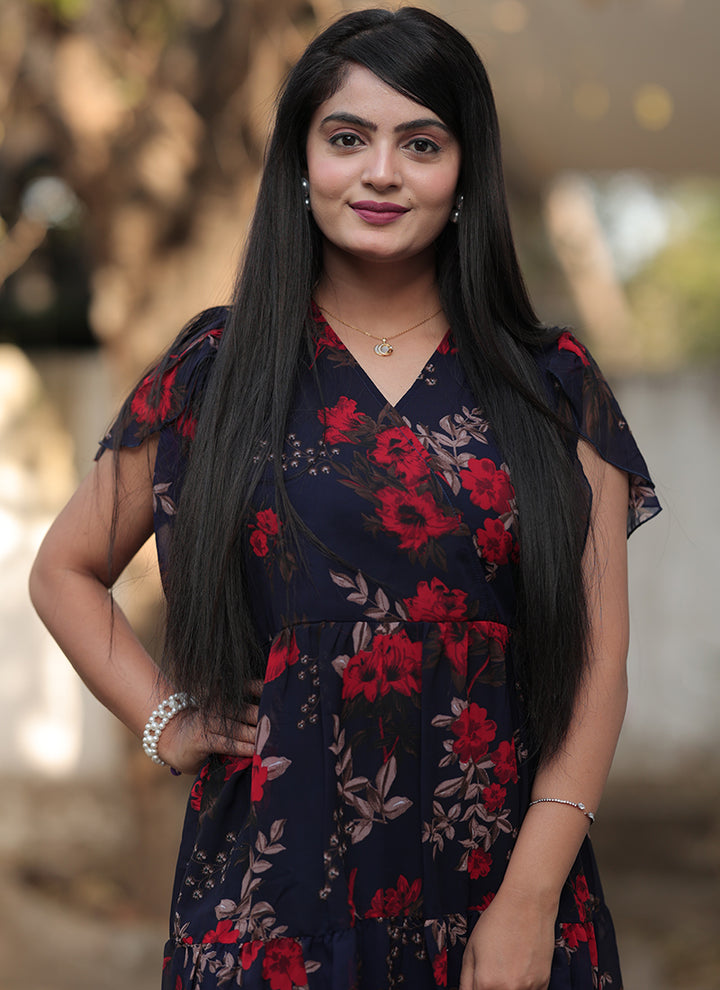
511	946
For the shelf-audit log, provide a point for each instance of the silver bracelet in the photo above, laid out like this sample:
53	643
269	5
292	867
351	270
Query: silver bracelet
573	804
159	718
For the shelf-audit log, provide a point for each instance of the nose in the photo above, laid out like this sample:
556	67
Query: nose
381	170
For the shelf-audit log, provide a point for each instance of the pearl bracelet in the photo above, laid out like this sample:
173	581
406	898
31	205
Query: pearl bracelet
159	718
573	804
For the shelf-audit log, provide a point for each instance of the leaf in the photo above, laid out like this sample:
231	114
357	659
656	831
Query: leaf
361	636
382	600
374	799
262	733
225	909
396	806
356	784
261	866
339	664
361	830
277	828
276	765
274	849
385	777
342	580
458	706
261	842
357	598
448	787
362	583
454	812
360	805
401	611
375	613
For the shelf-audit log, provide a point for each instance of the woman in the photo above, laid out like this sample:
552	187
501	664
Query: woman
404	508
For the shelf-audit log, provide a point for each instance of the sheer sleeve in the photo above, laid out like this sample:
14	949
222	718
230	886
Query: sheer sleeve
582	396
169	395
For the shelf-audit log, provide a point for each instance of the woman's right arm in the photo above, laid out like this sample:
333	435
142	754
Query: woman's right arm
69	587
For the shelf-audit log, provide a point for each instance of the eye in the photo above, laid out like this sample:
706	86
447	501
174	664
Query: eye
345	140
423	146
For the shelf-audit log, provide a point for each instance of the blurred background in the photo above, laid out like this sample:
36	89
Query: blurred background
131	137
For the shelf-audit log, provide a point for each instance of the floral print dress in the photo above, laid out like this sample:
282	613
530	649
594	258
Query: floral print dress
374	823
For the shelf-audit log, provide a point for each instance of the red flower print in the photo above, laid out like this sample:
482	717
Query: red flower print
351	895
165	962
583	897
572	934
447	344
435	602
235	764
249	952
392	664
395	900
493	797
396	447
224	933
340	420
489	487
413	516
454	638
475	731
284	653
197	788
152	405
258	777
505	763
484	903
283	964
178	984
496	631
566	342
479	863
439	966
495	543
268	522
259	543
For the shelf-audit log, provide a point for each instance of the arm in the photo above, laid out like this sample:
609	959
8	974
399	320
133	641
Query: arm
512	943
69	586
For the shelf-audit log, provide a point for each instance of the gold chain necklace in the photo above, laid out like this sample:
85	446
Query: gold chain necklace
384	348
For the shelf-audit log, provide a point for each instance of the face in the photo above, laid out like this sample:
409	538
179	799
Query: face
383	171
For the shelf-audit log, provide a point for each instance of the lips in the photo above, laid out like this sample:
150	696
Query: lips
378	213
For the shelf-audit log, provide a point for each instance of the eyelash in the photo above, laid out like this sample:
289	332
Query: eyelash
337	139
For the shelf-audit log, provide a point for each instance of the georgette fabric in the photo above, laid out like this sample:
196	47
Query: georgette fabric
374	823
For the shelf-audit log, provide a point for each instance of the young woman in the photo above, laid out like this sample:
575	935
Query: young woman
391	511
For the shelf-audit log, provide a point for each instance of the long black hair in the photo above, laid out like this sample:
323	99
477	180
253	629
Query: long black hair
212	646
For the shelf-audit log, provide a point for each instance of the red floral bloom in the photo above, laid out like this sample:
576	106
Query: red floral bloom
496	631
505	763
495	543
258	776
583	897
340	420
149	407
435	602
283	964
572	934
489	487
454	638
475	731
284	653
351	896
392	664
197	788
178	984
413	516
397	447
447	344
566	342
395	900
249	952
235	764
493	797
484	903
259	543
479	863
439	966
268	522
224	933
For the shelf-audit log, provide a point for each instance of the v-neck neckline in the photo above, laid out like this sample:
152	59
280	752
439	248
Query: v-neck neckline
363	373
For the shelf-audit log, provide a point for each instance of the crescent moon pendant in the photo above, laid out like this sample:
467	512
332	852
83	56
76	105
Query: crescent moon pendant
384	349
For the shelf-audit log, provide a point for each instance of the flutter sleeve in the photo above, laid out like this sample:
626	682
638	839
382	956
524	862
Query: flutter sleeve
168	396
582	396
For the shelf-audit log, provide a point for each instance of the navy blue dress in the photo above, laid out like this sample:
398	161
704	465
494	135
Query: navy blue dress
374	823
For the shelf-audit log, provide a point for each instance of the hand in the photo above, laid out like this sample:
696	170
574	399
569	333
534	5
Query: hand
511	946
188	740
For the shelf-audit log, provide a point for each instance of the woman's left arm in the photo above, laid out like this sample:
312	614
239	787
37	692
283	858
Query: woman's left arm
511	946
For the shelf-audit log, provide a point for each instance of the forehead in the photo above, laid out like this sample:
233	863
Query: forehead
366	95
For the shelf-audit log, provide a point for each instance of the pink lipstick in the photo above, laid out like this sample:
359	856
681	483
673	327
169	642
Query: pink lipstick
378	213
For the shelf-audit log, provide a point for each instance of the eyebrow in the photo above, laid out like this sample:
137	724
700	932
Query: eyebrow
409	125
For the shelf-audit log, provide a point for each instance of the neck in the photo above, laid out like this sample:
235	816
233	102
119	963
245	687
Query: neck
385	296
